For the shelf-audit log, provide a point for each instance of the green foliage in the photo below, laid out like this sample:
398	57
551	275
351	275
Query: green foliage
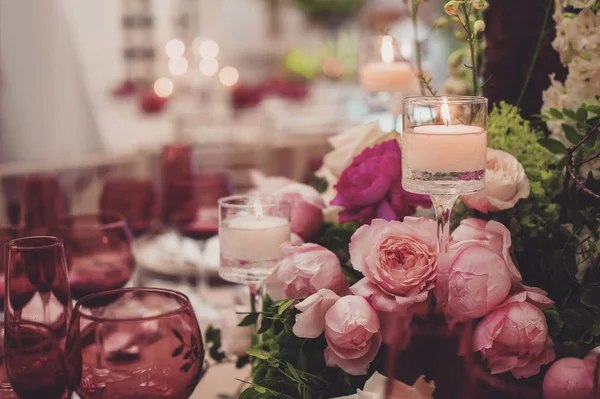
336	238
285	366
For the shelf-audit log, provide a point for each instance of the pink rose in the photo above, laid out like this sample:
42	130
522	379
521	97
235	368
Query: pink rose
306	208
569	378
514	336
495	234
505	184
304	270
472	280
398	260
351	329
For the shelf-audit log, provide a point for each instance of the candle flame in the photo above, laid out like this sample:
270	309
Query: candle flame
258	211
387	49
445	111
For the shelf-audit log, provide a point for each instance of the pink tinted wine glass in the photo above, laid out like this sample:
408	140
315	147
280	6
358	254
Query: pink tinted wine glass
136	343
42	203
35	361
99	252
8	232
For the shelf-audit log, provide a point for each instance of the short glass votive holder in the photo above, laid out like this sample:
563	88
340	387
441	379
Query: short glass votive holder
251	231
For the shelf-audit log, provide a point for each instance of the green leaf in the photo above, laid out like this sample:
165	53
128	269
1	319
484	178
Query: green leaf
596	327
590	296
265	325
258	353
555	113
569	114
178	335
554	146
177	351
555	322
259	389
302	361
283	306
571	133
249	320
581	114
593	109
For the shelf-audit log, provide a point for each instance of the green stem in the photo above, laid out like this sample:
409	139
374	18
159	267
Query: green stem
419	61
535	54
470	38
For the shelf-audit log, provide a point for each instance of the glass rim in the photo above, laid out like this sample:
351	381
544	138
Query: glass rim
120	221
12	227
436	100
102	319
54	242
223	202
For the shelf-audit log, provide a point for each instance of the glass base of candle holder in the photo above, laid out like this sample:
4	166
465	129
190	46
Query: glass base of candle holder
246	272
439	183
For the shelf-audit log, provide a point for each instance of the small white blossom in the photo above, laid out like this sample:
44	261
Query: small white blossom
584	31
451	7
478	26
478	4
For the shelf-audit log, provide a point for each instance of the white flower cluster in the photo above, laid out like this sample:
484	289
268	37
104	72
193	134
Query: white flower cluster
578	42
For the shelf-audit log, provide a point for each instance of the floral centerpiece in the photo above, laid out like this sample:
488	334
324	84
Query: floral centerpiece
523	266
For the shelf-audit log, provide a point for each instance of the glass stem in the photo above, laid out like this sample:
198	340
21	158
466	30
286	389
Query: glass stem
443	208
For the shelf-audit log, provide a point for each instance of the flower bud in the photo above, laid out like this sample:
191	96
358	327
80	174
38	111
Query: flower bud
451	7
478	4
478	26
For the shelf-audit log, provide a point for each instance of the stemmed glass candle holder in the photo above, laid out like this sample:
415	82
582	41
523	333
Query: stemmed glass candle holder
444	145
385	75
251	231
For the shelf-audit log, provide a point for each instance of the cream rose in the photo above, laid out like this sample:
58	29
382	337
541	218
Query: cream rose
376	386
506	183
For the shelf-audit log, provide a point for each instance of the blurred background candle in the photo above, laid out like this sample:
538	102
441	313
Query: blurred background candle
388	75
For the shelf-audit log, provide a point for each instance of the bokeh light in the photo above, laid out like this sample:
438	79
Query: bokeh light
178	66
175	48
208	49
163	87
229	76
208	67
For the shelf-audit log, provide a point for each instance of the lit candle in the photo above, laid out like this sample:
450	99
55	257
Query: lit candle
389	75
445	148
254	237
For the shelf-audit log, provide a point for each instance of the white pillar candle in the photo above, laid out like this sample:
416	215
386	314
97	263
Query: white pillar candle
253	239
387	77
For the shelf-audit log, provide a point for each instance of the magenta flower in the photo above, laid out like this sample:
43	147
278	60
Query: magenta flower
371	187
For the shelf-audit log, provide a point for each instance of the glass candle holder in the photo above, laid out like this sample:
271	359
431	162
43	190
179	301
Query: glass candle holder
251	231
444	147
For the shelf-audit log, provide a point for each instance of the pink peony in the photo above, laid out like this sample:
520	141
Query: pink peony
514	336
351	329
306	208
304	270
505	184
472	280
398	260
569	378
495	234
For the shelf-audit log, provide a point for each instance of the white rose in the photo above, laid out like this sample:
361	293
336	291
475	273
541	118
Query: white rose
235	340
376	385
506	183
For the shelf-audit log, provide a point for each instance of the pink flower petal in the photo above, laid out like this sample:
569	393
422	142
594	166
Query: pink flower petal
311	322
354	366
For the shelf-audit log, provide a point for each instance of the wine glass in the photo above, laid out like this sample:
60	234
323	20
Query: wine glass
444	148
177	165
136	343
251	231
36	364
42	203
385	75
8	232
36	283
6	390
99	252
135	199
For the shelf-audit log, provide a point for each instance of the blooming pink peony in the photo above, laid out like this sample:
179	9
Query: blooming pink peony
472	280
304	270
398	260
569	378
351	329
514	336
352	333
306	208
495	234
505	184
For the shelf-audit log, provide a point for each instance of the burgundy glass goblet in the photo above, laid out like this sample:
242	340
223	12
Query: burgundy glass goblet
136	343
135	199
8	232
36	283
42	203
99	252
177	164
35	361
6	390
